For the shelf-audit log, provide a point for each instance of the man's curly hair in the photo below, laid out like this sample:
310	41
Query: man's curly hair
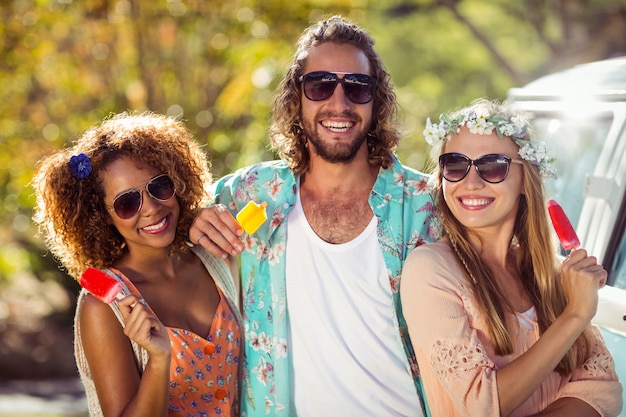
71	212
286	133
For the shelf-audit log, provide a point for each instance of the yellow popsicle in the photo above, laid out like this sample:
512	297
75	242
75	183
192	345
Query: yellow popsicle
252	216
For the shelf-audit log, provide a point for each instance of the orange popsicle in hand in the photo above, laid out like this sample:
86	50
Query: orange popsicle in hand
252	216
564	229
102	286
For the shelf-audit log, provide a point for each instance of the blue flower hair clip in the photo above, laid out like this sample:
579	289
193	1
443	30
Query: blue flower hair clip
80	166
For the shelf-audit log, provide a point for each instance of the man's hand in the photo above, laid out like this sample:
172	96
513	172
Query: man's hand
217	231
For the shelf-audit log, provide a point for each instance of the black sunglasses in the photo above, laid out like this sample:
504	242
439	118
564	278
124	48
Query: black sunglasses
492	168
320	85
128	204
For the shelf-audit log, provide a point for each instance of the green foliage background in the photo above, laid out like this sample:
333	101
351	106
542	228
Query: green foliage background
67	64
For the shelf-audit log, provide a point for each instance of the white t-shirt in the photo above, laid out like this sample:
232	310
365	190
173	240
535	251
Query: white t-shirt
347	359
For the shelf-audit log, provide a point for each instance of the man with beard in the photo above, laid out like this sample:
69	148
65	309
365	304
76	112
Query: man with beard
324	330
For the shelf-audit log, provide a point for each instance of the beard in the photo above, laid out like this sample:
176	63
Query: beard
331	150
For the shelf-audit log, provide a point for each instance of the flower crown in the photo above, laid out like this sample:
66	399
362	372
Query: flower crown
480	121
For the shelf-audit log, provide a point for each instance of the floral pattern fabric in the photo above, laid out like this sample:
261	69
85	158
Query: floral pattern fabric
401	201
204	371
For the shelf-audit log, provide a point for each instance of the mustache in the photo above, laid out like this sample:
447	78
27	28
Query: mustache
346	114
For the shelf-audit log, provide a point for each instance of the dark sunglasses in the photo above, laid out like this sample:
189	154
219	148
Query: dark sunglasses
492	168
320	85
128	204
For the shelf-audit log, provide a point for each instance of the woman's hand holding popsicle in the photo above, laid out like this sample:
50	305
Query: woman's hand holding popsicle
581	275
140	323
142	326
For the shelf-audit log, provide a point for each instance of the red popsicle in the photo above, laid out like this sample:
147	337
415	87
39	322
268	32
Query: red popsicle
562	226
100	285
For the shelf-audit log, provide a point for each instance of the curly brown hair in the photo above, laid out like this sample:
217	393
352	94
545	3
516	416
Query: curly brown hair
286	133
71	213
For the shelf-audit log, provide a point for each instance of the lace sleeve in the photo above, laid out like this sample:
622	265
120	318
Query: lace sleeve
595	382
600	364
452	360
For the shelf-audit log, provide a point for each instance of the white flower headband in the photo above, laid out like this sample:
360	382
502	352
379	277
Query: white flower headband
480	121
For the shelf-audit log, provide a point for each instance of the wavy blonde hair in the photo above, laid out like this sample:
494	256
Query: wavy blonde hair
71	212
286	132
534	256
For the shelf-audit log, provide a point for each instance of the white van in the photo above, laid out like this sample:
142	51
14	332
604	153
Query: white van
581	114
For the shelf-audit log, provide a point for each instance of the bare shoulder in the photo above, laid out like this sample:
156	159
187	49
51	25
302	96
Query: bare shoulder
94	314
100	330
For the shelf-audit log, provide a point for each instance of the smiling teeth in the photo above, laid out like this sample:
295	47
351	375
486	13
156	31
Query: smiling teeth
156	226
475	202
337	126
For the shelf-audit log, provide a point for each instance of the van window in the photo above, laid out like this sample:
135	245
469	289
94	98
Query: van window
575	143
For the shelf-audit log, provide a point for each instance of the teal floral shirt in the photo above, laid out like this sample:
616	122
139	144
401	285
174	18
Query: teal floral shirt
401	201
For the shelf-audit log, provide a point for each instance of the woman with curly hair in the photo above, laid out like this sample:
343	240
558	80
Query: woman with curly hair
122	199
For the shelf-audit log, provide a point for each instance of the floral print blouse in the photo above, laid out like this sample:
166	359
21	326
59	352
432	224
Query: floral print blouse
204	378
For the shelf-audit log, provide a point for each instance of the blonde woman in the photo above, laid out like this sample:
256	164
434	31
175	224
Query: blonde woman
500	324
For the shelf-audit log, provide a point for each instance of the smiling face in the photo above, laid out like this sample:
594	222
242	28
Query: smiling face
154	226
336	128
477	204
